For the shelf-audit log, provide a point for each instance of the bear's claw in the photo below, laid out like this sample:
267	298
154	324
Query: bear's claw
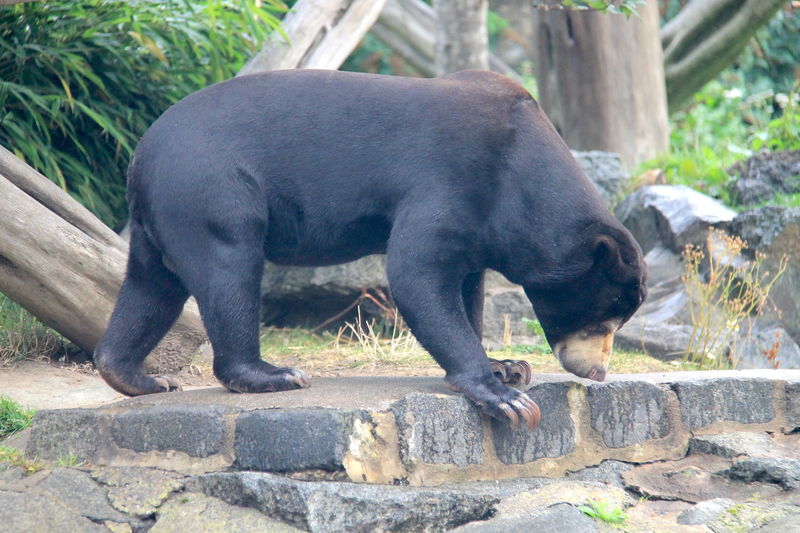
167	383
511	372
498	400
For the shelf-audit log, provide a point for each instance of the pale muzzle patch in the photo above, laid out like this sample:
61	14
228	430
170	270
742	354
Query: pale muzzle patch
587	352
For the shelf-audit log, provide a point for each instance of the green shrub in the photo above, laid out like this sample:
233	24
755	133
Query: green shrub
13	418
724	125
81	81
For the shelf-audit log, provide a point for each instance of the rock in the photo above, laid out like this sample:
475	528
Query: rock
705	511
768	348
502	299
553	437
671	216
762	176
793	403
21	511
693	479
552	507
76	490
195	430
608	472
307	296
428	435
629	413
775	232
137	491
778	470
81	433
606	171
334	506
657	339
732	444
298	439
191	511
757	516
663	265
558	517
748	401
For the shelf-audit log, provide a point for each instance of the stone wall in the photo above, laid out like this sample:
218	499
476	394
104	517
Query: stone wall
411	430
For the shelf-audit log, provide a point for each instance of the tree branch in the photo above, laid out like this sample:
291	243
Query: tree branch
705	37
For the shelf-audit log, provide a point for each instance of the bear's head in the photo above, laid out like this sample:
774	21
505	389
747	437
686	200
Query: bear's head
580	314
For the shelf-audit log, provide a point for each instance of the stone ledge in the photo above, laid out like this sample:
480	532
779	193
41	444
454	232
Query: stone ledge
413	430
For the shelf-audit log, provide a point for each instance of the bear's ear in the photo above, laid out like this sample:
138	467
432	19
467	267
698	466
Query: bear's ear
607	256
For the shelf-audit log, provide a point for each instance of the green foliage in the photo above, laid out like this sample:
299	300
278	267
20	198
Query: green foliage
24	337
783	132
81	81
724	124
604	512
13	418
771	60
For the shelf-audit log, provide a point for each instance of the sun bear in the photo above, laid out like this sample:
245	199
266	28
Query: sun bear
448	177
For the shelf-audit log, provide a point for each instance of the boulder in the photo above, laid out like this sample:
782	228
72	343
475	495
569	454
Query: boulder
606	171
768	348
775	232
671	216
762	176
504	301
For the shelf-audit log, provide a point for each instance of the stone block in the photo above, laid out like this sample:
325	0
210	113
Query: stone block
778	470
439	429
334	507
732	444
748	401
554	437
628	413
793	403
62	433
292	440
198	431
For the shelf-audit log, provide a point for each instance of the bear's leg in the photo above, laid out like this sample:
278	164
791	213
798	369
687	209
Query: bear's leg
510	371
429	296
229	299
472	293
150	300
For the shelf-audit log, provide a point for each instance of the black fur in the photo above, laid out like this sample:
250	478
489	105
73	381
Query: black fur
447	176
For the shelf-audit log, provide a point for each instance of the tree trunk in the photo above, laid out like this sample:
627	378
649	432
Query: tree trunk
65	266
601	80
322	33
409	28
705	37
462	39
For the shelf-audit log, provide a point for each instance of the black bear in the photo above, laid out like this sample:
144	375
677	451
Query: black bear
447	177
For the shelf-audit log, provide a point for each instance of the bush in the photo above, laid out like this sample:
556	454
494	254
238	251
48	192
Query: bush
81	81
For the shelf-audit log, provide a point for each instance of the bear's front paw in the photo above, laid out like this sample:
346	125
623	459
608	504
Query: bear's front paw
167	383
263	377
498	400
513	373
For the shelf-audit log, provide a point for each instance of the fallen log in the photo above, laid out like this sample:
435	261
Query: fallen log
321	34
65	266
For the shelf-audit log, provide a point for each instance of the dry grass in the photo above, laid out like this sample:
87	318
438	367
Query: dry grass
23	337
361	349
